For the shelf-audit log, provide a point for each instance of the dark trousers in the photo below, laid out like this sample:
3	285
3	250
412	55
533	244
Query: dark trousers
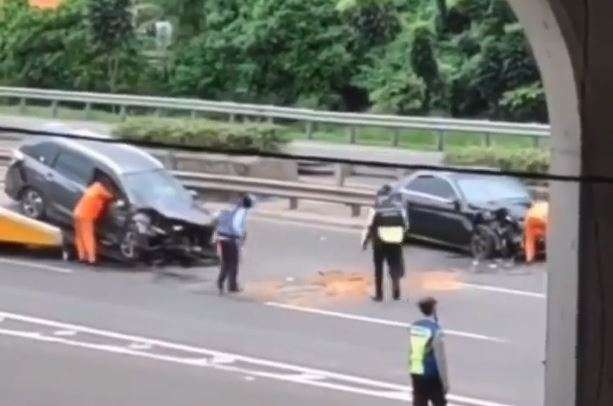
392	254
428	390
229	264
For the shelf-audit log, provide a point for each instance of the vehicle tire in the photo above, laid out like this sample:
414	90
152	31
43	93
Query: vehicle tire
482	243
32	203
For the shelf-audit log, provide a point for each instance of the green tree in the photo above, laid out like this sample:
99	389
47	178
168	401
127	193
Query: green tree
46	48
424	63
372	22
392	85
112	35
188	16
467	58
525	103
275	51
443	15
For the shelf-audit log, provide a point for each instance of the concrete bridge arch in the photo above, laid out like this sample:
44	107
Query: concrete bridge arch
571	40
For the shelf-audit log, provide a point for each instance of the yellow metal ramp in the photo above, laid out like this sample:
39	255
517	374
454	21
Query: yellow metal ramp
19	229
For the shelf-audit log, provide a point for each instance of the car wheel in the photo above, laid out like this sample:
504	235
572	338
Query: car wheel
32	204
482	243
128	247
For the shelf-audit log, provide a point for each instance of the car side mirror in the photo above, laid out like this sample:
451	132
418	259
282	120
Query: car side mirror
120	204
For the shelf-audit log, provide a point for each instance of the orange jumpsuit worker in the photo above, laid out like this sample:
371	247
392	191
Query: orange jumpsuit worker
87	212
535	228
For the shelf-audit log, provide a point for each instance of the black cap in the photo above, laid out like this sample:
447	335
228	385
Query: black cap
247	202
427	305
385	190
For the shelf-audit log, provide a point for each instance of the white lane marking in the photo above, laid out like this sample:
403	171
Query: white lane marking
374	320
223	359
140	346
310	377
504	290
288	372
350	229
33	265
65	333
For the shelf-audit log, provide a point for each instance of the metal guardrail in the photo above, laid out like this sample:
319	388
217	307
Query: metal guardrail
5	156
355	198
294	191
352	121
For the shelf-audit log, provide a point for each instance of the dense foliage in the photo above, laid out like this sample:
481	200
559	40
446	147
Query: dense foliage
256	137
465	58
530	160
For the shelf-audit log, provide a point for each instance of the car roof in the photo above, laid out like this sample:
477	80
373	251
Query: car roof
455	176
120	158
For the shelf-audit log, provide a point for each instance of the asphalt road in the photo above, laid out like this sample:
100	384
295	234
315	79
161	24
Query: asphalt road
72	335
303	332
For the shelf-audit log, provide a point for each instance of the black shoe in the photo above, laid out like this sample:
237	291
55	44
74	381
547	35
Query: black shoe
396	296
235	290
376	298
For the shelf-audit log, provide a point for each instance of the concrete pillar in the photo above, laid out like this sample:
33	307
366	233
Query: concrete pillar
595	327
341	173
570	39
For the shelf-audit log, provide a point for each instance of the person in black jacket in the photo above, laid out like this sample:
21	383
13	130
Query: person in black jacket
386	228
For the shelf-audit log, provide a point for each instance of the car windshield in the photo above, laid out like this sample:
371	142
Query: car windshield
485	190
154	186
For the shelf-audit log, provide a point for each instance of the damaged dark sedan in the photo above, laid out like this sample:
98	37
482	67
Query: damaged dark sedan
481	214
154	218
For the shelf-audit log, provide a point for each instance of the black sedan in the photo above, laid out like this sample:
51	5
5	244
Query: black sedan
447	208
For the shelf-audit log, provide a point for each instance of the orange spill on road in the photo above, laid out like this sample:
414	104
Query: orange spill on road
345	287
340	284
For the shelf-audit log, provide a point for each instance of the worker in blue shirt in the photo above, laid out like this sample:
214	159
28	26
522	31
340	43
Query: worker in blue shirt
427	360
231	234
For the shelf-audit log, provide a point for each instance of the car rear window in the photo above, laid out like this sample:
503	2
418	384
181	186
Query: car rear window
432	186
74	167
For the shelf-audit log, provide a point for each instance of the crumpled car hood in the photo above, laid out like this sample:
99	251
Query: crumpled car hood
517	209
181	210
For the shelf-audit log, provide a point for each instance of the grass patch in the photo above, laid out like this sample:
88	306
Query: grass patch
511	159
411	139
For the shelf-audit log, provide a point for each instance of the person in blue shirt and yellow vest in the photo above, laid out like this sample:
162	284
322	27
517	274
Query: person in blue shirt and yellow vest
427	361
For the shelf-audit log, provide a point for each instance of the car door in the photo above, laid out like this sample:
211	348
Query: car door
433	213
72	172
39	164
